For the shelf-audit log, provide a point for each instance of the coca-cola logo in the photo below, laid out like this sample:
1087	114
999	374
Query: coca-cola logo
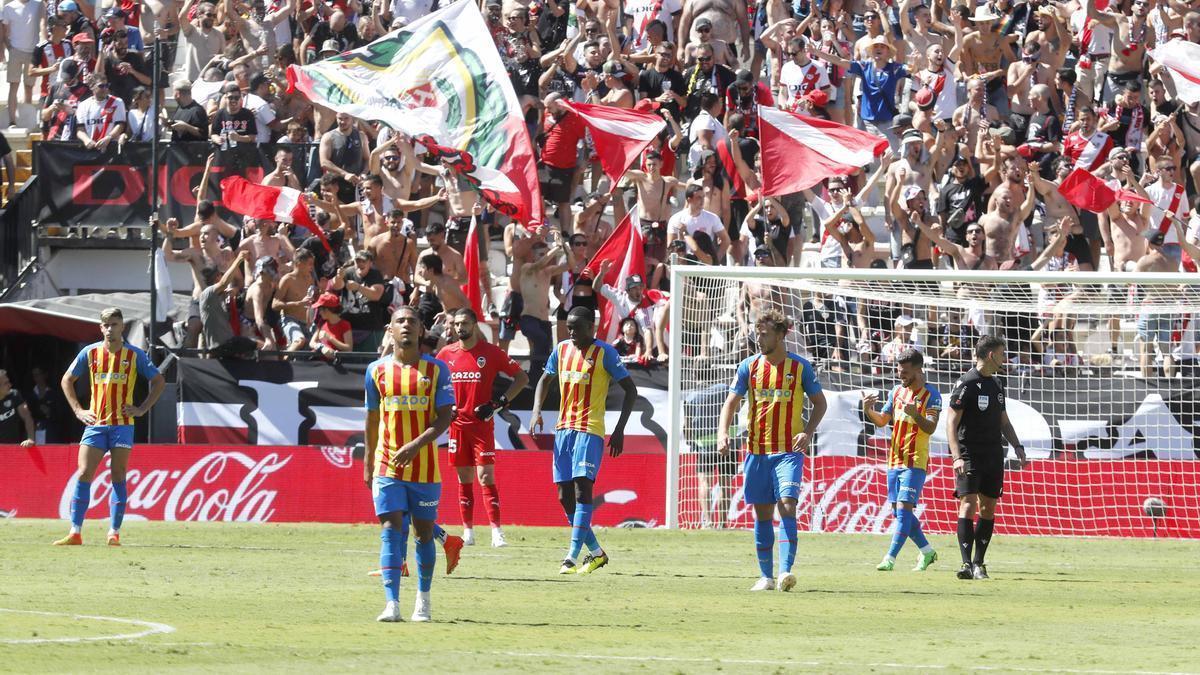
340	456
852	501
221	486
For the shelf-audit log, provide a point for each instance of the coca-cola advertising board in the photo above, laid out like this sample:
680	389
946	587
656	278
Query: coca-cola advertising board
1046	497
305	484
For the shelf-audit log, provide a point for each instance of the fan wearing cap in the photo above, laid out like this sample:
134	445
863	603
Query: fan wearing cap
117	21
909	211
333	333
984	51
632	301
800	74
58	110
702	30
124	68
881	76
77	23
20	25
967	118
99	119
744	96
619	95
50	52
199	39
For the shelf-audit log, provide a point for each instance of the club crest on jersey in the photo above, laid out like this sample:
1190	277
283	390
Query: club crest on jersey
590	361
424	381
983	402
481	362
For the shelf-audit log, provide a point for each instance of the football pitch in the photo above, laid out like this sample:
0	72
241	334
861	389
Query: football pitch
237	598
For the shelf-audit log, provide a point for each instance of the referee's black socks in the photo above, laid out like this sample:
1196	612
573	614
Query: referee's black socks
966	538
983	535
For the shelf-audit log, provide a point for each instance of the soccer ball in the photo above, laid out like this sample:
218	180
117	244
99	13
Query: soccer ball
1154	507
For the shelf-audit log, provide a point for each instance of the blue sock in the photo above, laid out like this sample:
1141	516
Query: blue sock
904	518
391	555
764	543
80	502
916	533
405	521
589	537
116	505
426	558
581	526
787	544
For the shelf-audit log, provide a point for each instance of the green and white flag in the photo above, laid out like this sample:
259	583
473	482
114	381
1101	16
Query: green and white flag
441	81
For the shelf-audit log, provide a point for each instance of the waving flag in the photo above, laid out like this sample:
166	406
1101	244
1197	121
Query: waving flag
798	152
625	251
281	204
440	79
620	135
1083	190
1182	59
471	263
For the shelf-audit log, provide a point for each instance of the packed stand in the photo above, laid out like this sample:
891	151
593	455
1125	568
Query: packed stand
987	109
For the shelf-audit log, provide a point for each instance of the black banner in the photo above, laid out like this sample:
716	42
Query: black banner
78	186
317	403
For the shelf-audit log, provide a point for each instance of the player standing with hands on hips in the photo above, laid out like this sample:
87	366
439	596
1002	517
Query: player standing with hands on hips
113	366
409	402
474	364
583	367
976	425
775	383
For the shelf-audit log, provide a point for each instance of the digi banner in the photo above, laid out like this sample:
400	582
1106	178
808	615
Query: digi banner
88	187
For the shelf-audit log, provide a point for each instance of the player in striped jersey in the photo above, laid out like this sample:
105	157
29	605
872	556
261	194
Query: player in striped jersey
113	367
775	383
409	404
912	408
583	367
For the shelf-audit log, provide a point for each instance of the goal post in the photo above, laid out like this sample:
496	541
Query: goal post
1102	387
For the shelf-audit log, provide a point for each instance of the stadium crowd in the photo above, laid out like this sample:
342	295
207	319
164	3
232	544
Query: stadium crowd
987	109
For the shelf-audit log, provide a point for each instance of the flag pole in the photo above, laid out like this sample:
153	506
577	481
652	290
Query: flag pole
152	341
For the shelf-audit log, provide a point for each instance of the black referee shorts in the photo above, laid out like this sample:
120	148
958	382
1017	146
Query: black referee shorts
980	477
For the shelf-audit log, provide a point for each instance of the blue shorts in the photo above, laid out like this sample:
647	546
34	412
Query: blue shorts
108	436
420	500
577	454
904	485
769	478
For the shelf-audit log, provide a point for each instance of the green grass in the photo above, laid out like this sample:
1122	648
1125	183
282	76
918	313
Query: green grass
297	598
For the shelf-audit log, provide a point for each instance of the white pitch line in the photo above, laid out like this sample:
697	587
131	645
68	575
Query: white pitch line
152	628
818	664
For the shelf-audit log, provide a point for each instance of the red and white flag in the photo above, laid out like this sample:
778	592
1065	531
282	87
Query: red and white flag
1182	60
799	152
1083	190
471	263
281	204
620	135
625	251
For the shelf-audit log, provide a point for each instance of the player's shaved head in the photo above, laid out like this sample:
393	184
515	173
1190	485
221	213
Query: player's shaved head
582	314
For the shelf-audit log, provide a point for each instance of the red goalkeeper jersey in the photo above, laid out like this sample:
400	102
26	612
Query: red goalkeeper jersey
473	373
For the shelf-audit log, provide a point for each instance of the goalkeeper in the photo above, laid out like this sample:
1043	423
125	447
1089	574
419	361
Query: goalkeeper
474	365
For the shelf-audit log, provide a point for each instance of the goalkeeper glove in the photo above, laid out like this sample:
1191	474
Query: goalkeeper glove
485	411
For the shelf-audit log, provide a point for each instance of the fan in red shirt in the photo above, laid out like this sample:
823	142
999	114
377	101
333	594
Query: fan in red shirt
563	131
474	365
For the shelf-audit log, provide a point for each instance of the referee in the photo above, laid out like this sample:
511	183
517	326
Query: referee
976	423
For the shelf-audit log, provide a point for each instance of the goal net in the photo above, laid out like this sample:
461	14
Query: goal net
1101	387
